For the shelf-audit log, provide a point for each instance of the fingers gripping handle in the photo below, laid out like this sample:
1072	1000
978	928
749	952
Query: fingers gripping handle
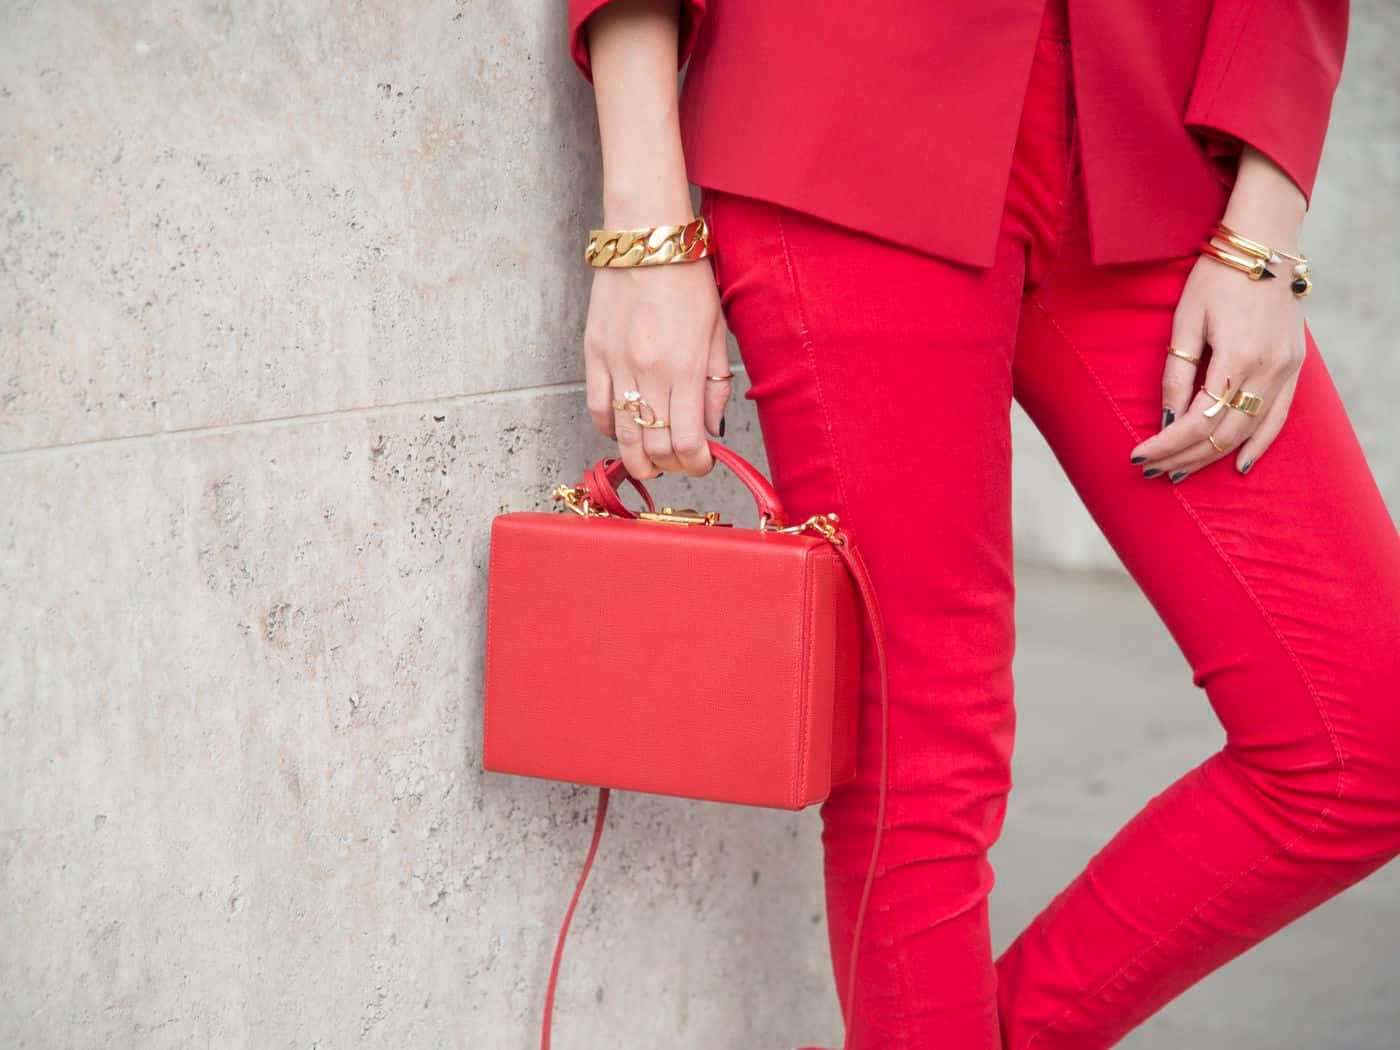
603	478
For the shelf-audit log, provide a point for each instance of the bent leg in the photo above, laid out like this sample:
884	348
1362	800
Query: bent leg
1282	588
882	382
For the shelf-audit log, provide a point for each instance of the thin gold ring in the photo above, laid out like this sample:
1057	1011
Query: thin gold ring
1211	439
727	375
1183	355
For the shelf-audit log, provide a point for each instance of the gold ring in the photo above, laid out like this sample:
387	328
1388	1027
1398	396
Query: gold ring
1211	439
1249	404
1183	355
727	375
1220	399
634	404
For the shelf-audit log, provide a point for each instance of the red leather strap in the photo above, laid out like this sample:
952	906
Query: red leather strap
856	564
769	505
866	589
598	818
602	480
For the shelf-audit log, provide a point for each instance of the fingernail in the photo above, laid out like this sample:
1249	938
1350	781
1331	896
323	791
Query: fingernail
1167	416
1138	459
1178	476
1247	464
721	426
1151	472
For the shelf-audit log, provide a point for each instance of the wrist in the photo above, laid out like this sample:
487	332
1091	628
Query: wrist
1266	204
658	200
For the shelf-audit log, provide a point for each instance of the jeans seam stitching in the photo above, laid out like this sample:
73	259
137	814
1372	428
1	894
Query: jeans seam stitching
897	951
809	351
1318	706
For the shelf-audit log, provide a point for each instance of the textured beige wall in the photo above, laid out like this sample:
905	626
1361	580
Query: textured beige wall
289	307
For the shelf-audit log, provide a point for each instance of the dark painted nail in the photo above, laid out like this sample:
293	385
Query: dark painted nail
721	426
1178	476
1138	459
1247	464
1167	416
1151	472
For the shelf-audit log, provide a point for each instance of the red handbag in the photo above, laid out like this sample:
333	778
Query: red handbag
754	703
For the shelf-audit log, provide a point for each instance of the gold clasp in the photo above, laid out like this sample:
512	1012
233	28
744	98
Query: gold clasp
682	516
825	524
579	500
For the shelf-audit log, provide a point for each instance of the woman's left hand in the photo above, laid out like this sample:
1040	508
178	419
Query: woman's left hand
1255	333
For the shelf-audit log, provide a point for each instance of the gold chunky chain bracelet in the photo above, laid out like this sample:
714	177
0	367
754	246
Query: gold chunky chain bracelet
649	246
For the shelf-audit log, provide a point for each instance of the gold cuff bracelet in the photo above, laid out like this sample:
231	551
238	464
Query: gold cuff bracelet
1300	285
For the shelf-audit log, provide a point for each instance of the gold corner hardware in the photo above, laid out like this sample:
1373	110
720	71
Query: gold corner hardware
824	524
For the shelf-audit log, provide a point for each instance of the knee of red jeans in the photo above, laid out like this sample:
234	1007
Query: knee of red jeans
1368	801
1340	780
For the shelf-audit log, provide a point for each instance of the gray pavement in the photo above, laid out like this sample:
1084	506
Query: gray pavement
1107	717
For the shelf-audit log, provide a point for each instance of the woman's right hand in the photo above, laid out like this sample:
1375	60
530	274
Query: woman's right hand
659	330
655	329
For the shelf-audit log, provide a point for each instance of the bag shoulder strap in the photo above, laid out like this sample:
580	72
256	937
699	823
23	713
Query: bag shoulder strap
855	564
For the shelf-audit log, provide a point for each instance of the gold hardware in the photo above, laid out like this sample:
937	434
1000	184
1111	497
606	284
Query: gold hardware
682	516
825	524
579	500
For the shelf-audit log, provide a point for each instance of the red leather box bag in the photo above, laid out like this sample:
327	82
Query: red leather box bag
666	651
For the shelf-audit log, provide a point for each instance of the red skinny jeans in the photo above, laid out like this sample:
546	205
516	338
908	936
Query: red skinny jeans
883	380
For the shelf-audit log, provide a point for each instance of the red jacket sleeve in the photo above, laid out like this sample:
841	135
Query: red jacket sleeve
1267	74
692	13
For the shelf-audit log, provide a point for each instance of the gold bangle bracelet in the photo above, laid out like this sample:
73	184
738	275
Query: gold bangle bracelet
1254	268
1301	283
1244	244
649	246
1263	251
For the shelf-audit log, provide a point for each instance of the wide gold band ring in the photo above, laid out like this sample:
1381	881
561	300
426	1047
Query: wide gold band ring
1247	403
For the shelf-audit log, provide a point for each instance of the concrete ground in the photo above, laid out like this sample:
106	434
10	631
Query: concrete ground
1108	716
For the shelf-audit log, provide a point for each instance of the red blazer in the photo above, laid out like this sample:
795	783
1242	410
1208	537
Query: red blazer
898	117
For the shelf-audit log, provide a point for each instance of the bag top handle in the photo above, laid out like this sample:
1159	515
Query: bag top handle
604	477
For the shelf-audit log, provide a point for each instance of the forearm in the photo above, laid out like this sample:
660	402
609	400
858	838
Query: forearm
1265	204
633	48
